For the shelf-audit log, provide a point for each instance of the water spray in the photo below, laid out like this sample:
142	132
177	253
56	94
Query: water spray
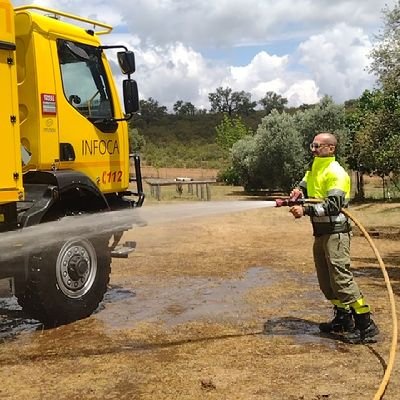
297	199
43	236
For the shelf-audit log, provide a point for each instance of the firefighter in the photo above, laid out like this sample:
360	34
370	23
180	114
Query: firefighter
327	180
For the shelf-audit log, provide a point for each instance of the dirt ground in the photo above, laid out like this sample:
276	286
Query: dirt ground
218	307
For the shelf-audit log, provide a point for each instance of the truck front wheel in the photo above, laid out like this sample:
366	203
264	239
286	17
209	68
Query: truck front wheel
67	282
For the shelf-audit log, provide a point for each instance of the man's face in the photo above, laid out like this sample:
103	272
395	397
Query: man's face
320	147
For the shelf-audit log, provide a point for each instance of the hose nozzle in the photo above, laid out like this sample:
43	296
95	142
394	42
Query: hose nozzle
296	199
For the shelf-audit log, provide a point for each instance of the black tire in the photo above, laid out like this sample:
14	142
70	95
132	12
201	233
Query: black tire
68	282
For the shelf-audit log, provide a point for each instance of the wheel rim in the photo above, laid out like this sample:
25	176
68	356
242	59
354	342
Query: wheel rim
76	267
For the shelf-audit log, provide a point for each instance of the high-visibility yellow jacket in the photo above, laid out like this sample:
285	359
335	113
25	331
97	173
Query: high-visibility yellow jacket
327	180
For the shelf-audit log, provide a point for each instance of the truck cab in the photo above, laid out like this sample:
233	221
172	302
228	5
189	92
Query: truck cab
68	104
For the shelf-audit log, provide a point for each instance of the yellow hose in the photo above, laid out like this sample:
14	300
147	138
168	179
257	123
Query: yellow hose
385	380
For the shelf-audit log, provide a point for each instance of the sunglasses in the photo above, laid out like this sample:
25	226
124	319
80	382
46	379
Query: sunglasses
319	145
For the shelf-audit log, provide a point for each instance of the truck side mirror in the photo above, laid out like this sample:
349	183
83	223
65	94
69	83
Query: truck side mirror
131	96
126	61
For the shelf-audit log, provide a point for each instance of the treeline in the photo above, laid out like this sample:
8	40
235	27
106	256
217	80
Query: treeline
187	137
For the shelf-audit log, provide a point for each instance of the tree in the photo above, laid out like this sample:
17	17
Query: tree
221	100
386	52
244	160
305	106
136	141
375	123
325	116
274	158
273	101
227	101
177	106
374	126
229	131
242	103
187	108
150	110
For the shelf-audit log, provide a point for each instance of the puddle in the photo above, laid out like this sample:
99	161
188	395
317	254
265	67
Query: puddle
303	331
178	301
13	321
290	326
185	299
117	293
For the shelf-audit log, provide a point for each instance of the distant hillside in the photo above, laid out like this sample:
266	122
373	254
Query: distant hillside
185	141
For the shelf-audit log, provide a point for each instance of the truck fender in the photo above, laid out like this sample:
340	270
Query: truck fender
59	193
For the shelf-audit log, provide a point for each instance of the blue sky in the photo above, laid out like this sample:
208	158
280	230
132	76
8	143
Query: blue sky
185	49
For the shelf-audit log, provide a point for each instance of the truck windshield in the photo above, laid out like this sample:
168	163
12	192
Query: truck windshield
84	80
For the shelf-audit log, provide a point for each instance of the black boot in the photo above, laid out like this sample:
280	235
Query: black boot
365	330
342	322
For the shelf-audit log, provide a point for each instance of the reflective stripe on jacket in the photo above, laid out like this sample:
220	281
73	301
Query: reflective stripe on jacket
327	180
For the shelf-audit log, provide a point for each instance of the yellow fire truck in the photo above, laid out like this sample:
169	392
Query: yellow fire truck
64	152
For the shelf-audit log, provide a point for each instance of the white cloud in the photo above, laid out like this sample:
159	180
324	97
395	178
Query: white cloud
234	22
224	22
177	72
262	67
307	48
302	92
174	72
337	59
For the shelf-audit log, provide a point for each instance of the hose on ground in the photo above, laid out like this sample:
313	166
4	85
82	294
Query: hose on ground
385	380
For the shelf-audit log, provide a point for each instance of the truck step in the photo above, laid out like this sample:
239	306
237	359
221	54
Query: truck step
123	250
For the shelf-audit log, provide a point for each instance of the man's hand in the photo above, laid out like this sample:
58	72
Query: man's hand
297	211
297	193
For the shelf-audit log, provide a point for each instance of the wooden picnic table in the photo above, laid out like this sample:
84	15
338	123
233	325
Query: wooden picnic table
202	187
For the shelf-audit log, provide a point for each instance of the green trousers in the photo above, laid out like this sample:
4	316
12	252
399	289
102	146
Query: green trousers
332	262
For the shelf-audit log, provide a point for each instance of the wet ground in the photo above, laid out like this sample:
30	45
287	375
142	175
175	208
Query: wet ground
219	307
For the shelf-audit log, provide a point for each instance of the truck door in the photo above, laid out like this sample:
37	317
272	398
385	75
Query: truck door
86	113
10	167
